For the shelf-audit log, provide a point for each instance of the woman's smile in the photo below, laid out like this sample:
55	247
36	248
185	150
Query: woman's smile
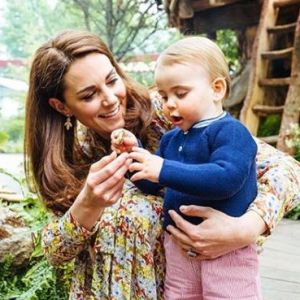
112	114
103	110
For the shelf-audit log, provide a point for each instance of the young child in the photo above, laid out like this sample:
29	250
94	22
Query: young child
208	159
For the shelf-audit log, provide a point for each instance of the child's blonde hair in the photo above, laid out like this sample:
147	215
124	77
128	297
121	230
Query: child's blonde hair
198	50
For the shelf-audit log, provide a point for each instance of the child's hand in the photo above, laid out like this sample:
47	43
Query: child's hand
123	140
146	165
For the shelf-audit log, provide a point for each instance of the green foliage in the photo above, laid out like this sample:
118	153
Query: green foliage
124	25
3	139
30	24
293	139
294	214
38	280
227	41
12	134
270	126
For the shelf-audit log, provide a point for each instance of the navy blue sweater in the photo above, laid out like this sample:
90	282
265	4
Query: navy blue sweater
212	164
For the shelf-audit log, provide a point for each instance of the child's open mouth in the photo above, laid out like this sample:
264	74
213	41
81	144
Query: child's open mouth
176	120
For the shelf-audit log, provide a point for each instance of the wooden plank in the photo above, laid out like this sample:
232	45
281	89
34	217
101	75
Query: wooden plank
264	110
280	262
274	81
11	197
235	16
291	111
277	54
286	28
283	3
256	93
272	139
208	4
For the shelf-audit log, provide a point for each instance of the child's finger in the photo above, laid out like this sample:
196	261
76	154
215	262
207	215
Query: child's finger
135	167
137	176
140	150
140	157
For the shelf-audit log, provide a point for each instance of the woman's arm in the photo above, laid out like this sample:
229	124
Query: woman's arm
278	180
64	238
218	234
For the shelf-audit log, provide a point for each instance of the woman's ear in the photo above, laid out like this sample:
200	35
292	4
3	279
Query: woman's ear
219	87
59	106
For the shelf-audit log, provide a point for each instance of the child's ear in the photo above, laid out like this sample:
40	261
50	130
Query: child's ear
59	106
219	87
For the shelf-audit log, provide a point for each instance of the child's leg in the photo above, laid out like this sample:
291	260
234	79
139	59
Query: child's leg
232	276
183	274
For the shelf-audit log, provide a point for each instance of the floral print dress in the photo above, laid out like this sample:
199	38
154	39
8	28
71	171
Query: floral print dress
122	256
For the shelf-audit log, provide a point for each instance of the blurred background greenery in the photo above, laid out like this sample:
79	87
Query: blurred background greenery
136	32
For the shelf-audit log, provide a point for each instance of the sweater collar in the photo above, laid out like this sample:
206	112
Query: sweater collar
205	123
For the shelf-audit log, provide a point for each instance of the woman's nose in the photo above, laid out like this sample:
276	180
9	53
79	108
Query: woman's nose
109	99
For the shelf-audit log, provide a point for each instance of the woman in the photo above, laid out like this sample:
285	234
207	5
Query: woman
110	228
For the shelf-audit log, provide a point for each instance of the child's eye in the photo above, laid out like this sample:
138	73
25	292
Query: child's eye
164	98
181	94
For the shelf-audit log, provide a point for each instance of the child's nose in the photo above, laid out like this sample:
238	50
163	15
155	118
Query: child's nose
171	103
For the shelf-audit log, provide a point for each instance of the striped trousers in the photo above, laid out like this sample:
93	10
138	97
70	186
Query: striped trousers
233	276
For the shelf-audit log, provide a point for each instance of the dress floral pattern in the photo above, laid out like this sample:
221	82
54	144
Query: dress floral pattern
122	256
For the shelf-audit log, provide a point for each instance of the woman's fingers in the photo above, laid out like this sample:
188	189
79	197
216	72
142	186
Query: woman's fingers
117	166
199	211
103	162
113	194
182	224
180	236
102	184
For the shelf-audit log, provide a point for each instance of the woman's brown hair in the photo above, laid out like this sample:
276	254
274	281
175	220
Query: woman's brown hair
53	156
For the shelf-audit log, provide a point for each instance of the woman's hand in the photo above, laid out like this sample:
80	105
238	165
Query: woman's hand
218	234
103	187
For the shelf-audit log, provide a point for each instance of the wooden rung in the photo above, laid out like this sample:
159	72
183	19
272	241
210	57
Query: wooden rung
264	110
277	54
11	197
272	140
283	3
275	81
282	28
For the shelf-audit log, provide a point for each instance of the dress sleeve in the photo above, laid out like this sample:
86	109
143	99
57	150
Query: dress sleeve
63	239
278	177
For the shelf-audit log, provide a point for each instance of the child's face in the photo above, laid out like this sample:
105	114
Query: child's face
188	94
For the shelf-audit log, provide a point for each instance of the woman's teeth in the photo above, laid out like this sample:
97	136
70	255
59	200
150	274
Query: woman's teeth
110	114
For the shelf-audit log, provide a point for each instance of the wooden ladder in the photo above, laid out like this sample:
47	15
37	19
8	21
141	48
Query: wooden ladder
274	84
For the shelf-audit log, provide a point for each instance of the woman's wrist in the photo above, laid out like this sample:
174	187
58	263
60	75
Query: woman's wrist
250	227
85	215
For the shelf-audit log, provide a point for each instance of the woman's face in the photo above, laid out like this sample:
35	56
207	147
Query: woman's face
95	94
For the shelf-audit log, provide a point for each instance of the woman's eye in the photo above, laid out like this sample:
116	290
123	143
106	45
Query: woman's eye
112	81
89	97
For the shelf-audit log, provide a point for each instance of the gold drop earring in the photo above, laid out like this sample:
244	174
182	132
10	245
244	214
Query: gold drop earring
68	124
